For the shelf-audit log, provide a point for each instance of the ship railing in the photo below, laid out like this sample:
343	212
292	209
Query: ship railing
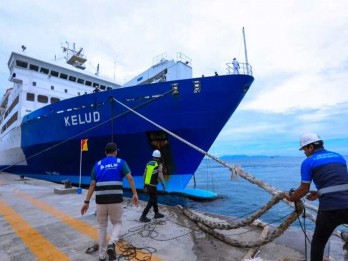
159	59
183	58
244	68
180	57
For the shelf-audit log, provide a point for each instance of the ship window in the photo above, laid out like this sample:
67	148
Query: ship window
22	64
54	99
78	93
95	84
42	98
10	121
103	87
175	88
34	67
54	73
30	96
52	87
65	90
14	103
109	88
72	78
44	70
63	76
79	80
34	83
88	83
196	86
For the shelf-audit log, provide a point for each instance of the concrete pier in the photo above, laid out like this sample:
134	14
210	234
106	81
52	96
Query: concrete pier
38	224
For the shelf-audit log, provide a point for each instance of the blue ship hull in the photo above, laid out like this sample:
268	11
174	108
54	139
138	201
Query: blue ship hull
51	135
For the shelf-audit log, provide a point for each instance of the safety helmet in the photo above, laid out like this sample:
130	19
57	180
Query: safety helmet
308	138
156	154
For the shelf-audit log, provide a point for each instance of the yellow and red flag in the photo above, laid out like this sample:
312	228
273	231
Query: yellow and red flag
84	145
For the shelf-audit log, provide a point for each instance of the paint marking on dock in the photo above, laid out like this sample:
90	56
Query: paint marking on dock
78	225
81	226
42	248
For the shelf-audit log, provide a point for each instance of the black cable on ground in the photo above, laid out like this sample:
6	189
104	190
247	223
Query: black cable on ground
130	252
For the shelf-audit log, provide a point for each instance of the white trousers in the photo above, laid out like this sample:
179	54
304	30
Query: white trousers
114	212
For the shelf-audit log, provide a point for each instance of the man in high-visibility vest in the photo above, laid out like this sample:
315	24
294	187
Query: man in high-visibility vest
152	175
107	182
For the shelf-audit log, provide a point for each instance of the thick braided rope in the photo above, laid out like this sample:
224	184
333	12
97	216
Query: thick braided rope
242	244
226	226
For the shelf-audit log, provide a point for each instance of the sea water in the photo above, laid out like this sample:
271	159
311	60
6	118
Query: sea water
240	198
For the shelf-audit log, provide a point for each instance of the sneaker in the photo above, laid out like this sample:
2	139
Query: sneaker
111	251
159	215
144	219
102	259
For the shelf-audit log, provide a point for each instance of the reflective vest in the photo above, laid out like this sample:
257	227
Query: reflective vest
109	183
151	173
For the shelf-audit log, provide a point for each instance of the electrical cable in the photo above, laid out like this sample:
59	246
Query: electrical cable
303	228
130	252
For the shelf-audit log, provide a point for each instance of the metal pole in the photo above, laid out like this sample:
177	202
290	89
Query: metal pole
246	54
80	165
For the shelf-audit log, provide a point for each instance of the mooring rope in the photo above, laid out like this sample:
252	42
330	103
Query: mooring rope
238	171
210	226
244	222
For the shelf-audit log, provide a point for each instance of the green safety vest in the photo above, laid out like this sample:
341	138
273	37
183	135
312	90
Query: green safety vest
151	173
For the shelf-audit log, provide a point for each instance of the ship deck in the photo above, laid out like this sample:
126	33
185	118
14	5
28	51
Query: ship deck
40	221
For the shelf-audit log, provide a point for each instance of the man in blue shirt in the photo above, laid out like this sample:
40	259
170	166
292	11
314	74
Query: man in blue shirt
107	182
328	171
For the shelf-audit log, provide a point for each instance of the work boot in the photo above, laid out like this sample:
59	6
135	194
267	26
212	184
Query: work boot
158	215
111	251
144	219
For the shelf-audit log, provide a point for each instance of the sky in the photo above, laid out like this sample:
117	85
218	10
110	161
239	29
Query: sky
297	49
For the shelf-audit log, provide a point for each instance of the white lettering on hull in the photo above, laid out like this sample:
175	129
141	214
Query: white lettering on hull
79	119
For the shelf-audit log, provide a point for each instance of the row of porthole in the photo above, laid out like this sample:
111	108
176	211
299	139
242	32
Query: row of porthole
32	67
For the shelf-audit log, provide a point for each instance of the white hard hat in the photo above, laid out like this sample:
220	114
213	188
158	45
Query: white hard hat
308	138
156	154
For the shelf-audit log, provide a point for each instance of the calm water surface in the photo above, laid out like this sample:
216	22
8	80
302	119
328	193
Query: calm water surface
240	198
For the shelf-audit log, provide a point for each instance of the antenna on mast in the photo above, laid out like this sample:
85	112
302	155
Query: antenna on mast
246	54
76	59
97	72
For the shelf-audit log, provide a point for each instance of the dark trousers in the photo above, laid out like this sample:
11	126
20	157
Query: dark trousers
152	192
326	223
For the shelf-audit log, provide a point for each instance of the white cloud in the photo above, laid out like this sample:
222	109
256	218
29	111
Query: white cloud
297	50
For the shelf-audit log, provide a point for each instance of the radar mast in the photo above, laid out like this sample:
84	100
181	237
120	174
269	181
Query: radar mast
73	57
